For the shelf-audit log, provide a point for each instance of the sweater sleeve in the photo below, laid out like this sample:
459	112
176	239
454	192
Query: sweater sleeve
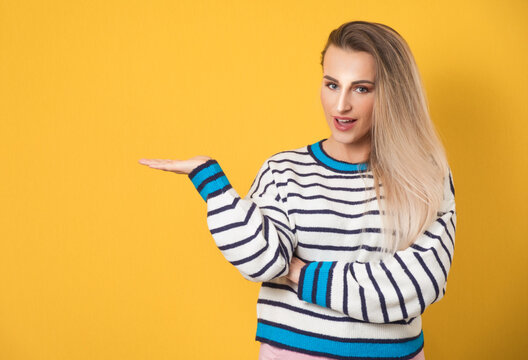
394	289
253	233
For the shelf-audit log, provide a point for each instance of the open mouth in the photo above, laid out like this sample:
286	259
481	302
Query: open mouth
344	124
345	121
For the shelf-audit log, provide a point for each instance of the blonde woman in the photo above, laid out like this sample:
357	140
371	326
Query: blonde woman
351	236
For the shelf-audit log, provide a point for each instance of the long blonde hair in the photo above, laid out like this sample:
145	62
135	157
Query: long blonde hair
406	155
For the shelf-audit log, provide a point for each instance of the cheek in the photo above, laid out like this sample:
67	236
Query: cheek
367	106
325	101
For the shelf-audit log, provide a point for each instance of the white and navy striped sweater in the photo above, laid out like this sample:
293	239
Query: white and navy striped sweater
349	304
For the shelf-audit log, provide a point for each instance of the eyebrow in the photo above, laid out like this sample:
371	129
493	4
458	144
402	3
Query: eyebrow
353	82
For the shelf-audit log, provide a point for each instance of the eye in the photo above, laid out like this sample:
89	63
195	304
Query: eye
330	86
364	88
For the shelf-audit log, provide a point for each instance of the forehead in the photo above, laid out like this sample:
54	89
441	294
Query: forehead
349	64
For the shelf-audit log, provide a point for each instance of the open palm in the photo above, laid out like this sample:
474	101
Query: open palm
176	166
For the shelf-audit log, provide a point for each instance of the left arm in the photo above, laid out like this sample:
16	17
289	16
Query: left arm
386	291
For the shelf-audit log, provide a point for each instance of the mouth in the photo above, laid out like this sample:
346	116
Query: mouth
343	123
344	120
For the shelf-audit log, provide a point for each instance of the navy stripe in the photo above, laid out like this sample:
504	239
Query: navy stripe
339	319
251	257
275	220
314	286
272	182
417	247
278	286
265	226
428	272
284	253
329	286
413	280
199	168
433	236
210	179
267	266
337	230
309	281
259	179
243	241
340	248
345	289
235	224
332	212
286	236
363	304
361	294
292	152
380	294
219	191
276	209
452	186
351	177
224	208
310	164
348	189
397	288
300	285
308	312
313	197
441	221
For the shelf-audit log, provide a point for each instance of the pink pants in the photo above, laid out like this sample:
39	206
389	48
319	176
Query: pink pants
270	352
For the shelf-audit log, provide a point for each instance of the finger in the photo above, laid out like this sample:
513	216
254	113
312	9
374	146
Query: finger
155	161
158	166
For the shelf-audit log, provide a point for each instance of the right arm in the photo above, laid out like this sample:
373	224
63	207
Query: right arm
253	233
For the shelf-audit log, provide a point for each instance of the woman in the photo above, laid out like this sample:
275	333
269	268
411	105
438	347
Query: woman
352	236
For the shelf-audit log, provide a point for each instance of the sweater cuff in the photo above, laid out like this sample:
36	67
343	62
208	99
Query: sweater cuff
315	282
209	179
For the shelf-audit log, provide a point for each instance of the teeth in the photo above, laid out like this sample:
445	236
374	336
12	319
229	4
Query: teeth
344	121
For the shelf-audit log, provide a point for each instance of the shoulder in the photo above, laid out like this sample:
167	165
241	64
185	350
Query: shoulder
288	156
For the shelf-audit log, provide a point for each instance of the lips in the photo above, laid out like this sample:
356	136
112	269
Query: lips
344	126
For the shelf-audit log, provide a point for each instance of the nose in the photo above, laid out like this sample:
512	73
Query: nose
343	103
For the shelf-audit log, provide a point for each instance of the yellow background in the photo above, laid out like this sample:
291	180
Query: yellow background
104	258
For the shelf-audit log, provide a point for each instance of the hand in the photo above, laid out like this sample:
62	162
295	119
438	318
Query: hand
295	269
176	166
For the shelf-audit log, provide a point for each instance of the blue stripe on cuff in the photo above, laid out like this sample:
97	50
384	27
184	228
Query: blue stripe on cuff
205	173
207	179
308	281
213	186
322	283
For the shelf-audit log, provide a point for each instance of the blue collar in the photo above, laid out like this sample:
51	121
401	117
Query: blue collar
317	151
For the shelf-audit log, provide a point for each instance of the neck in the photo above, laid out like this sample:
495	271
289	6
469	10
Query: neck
352	153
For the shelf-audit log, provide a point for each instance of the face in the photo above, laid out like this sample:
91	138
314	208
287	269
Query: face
347	92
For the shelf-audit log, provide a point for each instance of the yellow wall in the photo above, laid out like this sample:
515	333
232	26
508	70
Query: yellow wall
104	258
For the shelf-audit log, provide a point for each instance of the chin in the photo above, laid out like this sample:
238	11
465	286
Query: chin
343	138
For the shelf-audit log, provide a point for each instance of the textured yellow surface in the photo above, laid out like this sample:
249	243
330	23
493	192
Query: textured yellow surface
104	258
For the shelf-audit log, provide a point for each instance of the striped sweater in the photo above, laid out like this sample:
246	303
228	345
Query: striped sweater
349	303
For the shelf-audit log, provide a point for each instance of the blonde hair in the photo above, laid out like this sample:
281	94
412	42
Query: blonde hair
406	155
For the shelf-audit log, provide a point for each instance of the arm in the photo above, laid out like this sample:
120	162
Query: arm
392	290
253	233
